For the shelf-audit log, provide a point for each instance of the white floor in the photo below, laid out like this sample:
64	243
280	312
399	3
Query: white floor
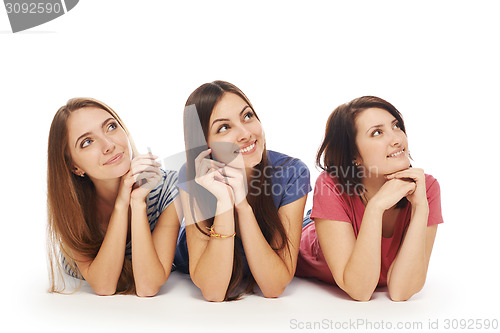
305	305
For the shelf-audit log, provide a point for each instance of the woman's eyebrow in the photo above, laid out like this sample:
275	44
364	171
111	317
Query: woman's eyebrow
381	125
217	120
87	133
246	107
226	119
376	126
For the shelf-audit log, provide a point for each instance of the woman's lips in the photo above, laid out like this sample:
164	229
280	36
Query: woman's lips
397	154
114	159
248	149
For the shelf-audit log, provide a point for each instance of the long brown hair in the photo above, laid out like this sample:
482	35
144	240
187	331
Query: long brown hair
71	204
339	150
204	98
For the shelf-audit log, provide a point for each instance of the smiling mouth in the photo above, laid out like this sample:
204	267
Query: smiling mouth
114	159
247	148
397	153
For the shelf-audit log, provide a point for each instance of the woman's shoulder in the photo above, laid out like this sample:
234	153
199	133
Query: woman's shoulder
165	192
431	184
288	174
327	177
168	182
168	175
280	160
429	178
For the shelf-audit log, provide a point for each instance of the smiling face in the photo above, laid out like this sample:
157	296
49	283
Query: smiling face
382	144
98	145
234	131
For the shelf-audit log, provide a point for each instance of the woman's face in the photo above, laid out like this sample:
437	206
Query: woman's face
234	131
382	144
98	145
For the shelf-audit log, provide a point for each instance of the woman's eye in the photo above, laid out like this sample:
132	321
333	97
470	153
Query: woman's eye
396	125
248	115
112	126
223	128
85	143
376	132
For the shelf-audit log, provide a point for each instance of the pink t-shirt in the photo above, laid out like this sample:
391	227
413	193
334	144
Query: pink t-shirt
330	203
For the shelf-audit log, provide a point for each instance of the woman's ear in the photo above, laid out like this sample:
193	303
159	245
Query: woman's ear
357	161
77	171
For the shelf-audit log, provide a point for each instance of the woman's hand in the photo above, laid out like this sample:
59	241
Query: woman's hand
144	174
209	174
419	196
236	179
391	192
126	183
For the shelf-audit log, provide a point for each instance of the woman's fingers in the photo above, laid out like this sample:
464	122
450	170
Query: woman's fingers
145	171
206	166
202	155
232	172
408	173
201	162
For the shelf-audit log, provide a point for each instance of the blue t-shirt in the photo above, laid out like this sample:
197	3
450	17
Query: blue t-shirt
157	201
290	181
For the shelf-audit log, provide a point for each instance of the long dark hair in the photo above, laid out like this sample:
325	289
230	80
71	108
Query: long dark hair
71	204
204	99
339	150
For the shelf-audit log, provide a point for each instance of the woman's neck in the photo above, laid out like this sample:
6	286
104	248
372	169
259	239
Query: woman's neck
372	186
107	191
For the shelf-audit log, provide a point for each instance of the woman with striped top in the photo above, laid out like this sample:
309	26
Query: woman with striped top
110	211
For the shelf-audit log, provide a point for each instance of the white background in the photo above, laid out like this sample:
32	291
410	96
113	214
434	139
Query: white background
437	62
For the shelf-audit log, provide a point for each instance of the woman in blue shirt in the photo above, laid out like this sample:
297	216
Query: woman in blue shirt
243	204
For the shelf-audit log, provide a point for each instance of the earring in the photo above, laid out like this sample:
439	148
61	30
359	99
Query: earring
355	163
79	173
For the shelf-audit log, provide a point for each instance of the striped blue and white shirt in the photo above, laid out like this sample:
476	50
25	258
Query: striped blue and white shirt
157	201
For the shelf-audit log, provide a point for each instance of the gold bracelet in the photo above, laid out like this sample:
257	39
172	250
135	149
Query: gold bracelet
214	234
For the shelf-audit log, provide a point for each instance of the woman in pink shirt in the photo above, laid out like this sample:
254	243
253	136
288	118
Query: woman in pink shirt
374	216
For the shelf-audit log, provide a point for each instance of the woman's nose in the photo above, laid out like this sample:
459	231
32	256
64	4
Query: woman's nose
397	138
108	146
244	133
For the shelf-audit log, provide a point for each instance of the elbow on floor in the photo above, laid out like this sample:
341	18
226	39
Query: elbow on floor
273	293
214	297
103	291
146	291
360	296
400	296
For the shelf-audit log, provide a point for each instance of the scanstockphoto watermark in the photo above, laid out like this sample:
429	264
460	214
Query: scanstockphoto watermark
364	324
352	176
26	14
281	175
354	325
351	186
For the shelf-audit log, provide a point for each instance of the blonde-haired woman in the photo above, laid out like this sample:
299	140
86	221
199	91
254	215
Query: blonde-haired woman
111	215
